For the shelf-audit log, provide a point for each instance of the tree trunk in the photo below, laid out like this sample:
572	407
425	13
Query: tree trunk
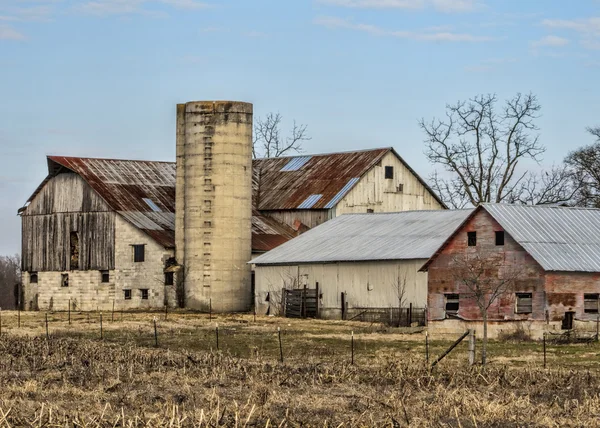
485	337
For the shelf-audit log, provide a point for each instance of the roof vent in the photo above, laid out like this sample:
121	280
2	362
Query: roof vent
296	163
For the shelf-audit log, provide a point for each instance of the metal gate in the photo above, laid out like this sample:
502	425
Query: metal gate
301	303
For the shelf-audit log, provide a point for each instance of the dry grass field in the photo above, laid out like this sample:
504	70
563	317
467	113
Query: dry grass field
75	378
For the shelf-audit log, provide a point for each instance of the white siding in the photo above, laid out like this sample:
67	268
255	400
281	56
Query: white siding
366	284
376	192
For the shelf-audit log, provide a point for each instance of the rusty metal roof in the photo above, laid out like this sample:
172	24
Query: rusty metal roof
143	193
314	181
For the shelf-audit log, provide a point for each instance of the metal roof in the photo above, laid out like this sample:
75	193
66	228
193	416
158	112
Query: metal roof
143	193
558	238
362	237
287	183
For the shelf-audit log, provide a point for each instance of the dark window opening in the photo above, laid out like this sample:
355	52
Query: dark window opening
139	253
64	280
127	294
389	172
400	188
144	292
74	251
370	210
33	277
590	303
105	276
524	303
169	278
499	237
567	322
452	301
471	239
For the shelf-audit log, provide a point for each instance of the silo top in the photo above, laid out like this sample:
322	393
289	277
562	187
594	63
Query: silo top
218	107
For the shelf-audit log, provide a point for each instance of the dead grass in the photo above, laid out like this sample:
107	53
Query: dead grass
75	379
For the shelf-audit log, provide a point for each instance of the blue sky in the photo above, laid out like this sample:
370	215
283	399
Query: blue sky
102	78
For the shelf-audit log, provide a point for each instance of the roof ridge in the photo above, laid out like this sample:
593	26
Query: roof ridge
409	211
298	155
107	159
548	206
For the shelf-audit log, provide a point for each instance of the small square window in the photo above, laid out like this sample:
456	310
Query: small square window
471	239
127	294
64	280
105	276
370	210
169	278
144	292
139	253
452	304
524	303
33	277
401	188
590	303
389	172
499	237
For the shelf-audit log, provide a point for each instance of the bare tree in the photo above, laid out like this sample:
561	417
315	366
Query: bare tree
10	281
269	141
585	164
480	147
399	287
484	279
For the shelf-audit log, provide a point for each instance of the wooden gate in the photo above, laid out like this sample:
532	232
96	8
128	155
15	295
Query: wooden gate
301	303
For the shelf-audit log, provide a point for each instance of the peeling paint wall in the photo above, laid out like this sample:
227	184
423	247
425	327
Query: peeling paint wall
366	284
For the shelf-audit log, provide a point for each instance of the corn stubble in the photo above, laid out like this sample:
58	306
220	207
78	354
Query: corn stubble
86	383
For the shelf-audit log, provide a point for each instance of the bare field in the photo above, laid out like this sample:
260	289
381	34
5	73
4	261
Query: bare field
76	379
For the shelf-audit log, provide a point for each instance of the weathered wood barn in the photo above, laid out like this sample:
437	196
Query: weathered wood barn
98	232
356	263
551	255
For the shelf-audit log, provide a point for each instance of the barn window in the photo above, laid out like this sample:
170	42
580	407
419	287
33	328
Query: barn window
33	277
74	251
144	292
401	188
169	278
105	276
524	303
139	253
127	294
451	304
471	239
389	172
64	280
590	303
370	211
499	237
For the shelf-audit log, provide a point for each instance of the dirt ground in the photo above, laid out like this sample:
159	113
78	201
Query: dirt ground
83	375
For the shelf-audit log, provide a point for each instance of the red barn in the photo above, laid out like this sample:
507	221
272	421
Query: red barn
547	259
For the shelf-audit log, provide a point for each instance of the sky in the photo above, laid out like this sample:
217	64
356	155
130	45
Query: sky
102	78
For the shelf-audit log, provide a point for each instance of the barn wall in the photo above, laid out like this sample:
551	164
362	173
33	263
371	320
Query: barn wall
366	284
67	204
86	289
376	192
310	218
565	292
509	259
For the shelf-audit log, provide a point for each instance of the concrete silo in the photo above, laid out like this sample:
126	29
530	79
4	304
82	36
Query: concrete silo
214	204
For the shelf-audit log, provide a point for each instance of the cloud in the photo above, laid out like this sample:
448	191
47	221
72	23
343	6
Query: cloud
9	33
446	6
550	41
425	35
587	28
128	7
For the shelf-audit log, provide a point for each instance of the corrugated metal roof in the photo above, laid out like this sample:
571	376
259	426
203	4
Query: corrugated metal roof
128	186
310	202
363	237
296	163
331	175
558	238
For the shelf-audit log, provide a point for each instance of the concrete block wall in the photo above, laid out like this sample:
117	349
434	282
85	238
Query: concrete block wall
86	289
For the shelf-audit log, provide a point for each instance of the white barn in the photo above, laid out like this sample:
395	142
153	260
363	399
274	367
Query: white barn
356	261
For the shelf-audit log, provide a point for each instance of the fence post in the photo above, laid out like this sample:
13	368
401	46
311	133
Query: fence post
166	311
597	328
101	332
427	347
344	315
210	315
352	347
217	334
47	334
280	346
318	301
544	342
410	315
155	334
471	347
112	315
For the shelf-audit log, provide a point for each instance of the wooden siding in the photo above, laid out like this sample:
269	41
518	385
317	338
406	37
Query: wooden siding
67	204
310	218
375	192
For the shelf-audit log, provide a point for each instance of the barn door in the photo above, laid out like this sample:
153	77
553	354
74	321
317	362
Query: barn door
301	303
